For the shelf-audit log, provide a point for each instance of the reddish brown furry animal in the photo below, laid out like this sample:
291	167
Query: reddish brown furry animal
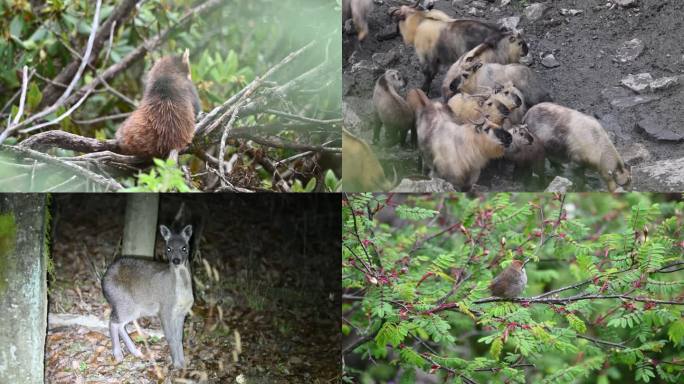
504	48
473	108
456	153
526	152
361	170
164	122
437	38
358	11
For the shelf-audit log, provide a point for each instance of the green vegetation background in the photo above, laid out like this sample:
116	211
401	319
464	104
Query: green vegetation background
229	46
416	271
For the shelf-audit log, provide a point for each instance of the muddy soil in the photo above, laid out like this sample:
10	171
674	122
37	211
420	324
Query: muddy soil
588	78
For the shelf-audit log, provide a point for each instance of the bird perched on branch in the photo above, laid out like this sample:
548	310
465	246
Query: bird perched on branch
511	281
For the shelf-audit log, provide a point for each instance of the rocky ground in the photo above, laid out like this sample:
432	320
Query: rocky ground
621	61
266	305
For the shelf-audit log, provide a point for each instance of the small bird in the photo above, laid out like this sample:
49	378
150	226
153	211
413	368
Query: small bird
510	282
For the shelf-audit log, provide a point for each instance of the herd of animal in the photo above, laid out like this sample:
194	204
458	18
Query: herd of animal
491	106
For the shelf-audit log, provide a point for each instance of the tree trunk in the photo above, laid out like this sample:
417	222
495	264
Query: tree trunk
140	229
23	287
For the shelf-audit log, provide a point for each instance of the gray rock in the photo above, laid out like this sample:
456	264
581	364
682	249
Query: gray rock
459	3
535	11
664	83
624	98
659	130
626	3
629	50
559	184
385	59
475	12
424	186
549	61
661	176
637	83
611	125
364	66
358	113
510	22
505	2
570	12
527	60
479	4
636	153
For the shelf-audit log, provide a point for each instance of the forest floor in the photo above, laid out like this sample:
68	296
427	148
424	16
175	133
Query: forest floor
266	304
647	128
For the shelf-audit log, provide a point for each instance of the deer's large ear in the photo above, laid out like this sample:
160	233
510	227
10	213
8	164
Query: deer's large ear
187	232
165	232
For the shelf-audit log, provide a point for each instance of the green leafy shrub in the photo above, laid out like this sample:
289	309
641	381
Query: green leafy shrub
603	302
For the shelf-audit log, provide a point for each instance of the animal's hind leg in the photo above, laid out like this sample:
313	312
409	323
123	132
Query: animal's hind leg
129	343
116	345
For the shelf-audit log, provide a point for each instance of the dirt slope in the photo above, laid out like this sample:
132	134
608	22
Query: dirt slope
586	45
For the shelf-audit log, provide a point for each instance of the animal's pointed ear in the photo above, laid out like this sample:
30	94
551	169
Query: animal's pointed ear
187	232
165	232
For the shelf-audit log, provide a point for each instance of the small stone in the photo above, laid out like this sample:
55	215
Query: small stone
659	130
510	23
559	184
636	153
637	83
475	12
629	51
549	61
570	12
535	11
434	185
626	3
385	59
362	66
661	176
505	2
664	83
623	98
459	3
479	4
527	60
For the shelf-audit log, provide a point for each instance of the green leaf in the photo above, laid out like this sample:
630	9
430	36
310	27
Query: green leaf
676	332
414	213
17	26
33	96
496	348
576	323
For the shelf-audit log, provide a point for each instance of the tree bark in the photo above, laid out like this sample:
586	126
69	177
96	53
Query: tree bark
140	228
23	287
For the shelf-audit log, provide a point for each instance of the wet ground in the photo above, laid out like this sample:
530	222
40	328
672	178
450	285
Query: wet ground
588	78
266	293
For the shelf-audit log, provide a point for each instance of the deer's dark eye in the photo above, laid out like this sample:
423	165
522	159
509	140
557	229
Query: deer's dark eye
168	249
489	104
506	93
184	249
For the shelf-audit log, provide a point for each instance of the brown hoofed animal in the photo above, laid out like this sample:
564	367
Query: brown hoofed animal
474	108
526	152
358	11
570	134
361	170
504	48
392	110
512	98
437	38
164	122
456	153
480	76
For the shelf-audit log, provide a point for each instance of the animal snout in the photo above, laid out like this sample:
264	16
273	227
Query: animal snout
503	110
176	260
503	136
517	101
